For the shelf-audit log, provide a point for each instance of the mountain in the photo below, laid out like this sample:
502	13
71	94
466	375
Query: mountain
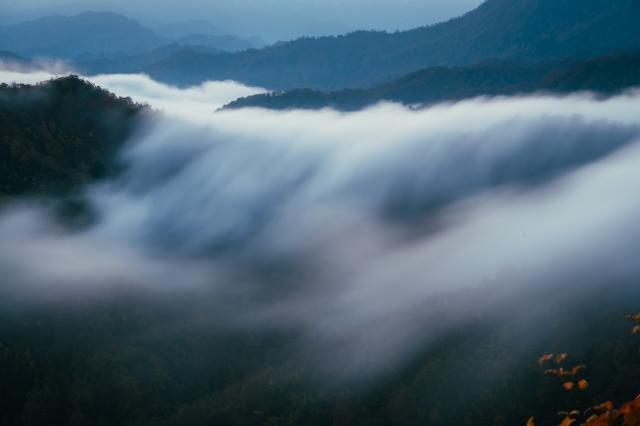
204	33
58	135
107	41
9	60
421	87
134	62
10	56
184	28
531	30
229	43
88	34
605	75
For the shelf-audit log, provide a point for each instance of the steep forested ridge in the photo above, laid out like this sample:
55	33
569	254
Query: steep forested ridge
605	75
513	29
59	134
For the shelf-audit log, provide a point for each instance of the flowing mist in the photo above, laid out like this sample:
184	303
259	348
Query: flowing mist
348	228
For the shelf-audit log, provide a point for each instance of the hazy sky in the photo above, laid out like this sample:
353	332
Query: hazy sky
271	19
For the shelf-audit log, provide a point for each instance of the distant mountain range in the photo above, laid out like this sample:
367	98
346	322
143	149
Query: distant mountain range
534	45
87	34
531	30
96	35
605	75
192	30
135	62
10	59
184	28
10	56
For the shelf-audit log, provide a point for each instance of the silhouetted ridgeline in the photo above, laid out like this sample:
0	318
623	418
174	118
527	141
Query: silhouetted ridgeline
92	36
531	30
134	62
59	134
607	75
10	56
90	33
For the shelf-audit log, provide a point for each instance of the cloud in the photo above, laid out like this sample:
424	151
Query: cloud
12	74
31	70
63	263
195	103
349	227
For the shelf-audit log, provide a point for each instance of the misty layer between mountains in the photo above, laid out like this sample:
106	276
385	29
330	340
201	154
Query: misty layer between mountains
348	228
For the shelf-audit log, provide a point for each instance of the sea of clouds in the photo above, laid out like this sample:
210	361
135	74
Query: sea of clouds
347	226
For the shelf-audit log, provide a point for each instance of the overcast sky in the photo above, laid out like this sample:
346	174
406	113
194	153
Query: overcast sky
271	19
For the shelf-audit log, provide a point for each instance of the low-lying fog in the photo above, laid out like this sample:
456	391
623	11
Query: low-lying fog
346	227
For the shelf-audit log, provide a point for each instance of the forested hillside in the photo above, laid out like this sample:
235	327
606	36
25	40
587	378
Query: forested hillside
59	134
605	76
132	359
529	30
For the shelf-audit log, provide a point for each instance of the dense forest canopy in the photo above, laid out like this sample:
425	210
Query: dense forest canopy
59	135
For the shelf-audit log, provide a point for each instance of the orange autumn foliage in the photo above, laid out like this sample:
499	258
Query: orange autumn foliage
602	408
545	358
631	407
606	419
568	421
604	414
633	317
561	372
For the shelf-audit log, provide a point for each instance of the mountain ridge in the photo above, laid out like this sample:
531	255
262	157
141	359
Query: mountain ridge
97	35
59	135
58	35
604	76
509	29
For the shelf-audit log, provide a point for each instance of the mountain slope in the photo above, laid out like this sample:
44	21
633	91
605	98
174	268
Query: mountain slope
421	87
228	43
179	29
605	75
89	33
10	56
134	62
58	135
514	29
9	60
